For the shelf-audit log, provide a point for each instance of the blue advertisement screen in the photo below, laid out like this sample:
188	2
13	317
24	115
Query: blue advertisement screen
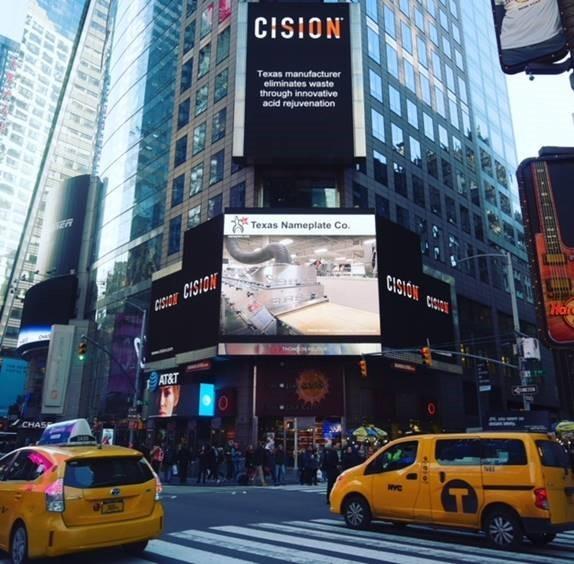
207	400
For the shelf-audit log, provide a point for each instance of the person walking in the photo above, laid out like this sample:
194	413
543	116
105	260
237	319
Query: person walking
330	467
259	462
169	461
270	461
279	465
250	464
183	456
349	458
157	456
203	464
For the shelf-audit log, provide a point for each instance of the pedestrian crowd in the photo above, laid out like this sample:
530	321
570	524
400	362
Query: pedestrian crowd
263	464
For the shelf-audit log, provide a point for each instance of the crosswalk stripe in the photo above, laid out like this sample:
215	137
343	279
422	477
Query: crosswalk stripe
357	552
385	544
188	554
260	549
331	525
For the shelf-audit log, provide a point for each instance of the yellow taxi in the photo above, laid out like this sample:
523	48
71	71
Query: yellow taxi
68	494
509	485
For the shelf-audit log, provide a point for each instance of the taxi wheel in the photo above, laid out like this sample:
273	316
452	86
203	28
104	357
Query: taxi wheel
19	545
541	539
503	529
357	513
135	548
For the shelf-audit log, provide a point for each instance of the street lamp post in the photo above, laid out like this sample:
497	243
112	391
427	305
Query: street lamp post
139	354
514	304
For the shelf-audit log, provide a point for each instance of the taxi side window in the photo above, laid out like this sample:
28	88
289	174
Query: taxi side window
458	452
27	466
394	458
5	462
503	452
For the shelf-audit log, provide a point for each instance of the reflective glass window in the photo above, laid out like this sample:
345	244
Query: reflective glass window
177	188
390	26
183	113
206	21
180	151
395	100
215	206
400	178
194	216
412	114
415	149
174	238
223	44
407	37
199	134
237	196
196	180
377	125
201	99
373	45
218	126
221	85
216	166
376	85
419	191
380	171
398	139
382	206
392	61
204	61
186	75
189	37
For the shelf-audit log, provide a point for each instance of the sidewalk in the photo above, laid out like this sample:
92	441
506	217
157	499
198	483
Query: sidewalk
291	478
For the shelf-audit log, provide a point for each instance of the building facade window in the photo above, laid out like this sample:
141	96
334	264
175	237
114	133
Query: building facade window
177	187
215	206
196	180
216	166
180	151
174	238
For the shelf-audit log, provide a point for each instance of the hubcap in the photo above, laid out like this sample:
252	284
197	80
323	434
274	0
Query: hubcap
19	545
501	531
355	513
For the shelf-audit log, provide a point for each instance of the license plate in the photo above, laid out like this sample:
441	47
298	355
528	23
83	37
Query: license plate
112	506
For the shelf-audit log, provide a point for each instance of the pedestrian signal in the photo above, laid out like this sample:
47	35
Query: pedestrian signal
426	356
363	368
82	349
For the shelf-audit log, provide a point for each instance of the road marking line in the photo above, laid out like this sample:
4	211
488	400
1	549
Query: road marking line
285	554
438	553
191	555
328	546
538	557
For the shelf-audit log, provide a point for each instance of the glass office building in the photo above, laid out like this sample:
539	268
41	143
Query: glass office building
440	161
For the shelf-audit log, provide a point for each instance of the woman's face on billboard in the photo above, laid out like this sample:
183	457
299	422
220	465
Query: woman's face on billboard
168	400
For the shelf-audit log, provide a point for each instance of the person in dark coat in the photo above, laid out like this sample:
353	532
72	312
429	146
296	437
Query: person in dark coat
183	456
279	465
350	458
259	463
169	460
203	463
330	467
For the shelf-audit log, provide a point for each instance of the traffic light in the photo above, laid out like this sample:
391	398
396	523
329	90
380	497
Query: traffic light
363	368
82	349
426	355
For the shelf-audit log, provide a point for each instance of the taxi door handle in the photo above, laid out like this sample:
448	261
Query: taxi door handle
442	477
412	476
18	496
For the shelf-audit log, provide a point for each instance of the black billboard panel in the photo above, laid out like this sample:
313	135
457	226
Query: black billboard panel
201	286
51	302
528	31
61	240
438	317
164	317
298	84
401	292
547	201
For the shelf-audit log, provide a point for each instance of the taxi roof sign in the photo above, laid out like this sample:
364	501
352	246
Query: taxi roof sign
72	432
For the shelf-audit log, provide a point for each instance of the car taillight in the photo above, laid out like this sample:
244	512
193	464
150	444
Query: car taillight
55	497
541	498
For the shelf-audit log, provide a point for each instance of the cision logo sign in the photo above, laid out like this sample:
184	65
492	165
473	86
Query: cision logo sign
297	78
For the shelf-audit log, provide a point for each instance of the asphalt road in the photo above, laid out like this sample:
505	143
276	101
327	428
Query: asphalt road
237	525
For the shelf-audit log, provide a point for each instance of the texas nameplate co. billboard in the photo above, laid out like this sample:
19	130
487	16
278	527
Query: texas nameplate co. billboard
298	97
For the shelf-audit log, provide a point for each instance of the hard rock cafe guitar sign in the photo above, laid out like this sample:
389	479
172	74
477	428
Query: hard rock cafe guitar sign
555	260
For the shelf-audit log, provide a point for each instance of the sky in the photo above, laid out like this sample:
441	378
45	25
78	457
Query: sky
542	109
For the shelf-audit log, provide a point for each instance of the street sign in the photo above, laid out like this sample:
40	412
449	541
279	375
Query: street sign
485	388
524	390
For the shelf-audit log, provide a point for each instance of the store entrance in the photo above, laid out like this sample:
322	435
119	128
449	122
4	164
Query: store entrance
297	434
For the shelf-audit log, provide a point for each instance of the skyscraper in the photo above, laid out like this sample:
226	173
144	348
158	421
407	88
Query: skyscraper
57	93
440	162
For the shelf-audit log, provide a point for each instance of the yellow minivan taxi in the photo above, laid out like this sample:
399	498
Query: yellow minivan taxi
57	499
509	485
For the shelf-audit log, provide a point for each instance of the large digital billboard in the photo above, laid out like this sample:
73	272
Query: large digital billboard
528	31
50	302
314	282
298	87
547	201
299	275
